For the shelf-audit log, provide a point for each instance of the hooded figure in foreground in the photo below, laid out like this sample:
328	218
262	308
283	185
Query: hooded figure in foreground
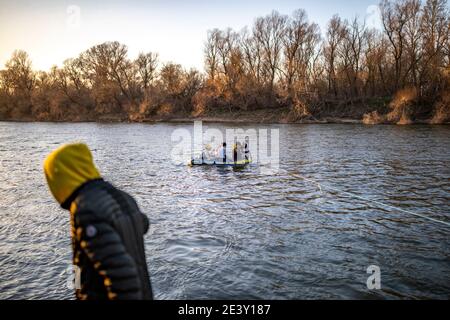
107	227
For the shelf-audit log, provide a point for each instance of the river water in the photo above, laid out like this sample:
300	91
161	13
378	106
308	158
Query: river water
343	199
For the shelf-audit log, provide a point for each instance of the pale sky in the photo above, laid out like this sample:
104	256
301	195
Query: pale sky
52	31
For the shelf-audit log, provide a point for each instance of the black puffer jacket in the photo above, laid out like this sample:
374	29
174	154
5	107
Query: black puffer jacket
108	246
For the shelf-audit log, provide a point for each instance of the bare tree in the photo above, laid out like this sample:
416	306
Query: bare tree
71	80
413	41
18	76
171	77
435	30
252	55
211	53
146	64
300	42
269	32
111	71
18	80
335	34
394	18
357	42
375	62
227	46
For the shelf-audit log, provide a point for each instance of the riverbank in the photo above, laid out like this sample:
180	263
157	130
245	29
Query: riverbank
327	113
222	118
400	110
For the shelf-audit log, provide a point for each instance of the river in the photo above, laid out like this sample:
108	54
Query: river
345	197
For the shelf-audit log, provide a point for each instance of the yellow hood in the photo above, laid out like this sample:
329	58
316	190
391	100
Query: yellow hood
67	168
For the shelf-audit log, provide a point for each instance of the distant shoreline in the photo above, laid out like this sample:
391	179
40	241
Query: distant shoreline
221	120
357	113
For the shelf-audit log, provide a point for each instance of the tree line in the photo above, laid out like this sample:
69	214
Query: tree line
398	74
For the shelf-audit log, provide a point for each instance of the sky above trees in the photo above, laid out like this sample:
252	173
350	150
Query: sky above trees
52	31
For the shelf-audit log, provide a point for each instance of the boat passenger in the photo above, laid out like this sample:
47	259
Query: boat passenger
237	152
223	152
246	152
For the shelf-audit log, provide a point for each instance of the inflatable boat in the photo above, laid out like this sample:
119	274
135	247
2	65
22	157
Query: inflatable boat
199	162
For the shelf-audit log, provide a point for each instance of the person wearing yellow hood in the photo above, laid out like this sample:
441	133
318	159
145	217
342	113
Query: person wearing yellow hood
107	227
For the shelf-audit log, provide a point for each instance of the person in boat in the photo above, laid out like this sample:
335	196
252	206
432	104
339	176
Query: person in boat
246	152
222	153
247	155
237	152
107	228
208	153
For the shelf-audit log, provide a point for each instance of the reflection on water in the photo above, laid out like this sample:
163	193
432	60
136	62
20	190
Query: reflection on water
218	233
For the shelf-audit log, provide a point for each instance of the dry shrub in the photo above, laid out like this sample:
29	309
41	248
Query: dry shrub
373	118
136	117
56	111
20	108
401	106
153	98
202	101
145	107
210	99
405	119
165	110
299	111
442	110
199	109
43	116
